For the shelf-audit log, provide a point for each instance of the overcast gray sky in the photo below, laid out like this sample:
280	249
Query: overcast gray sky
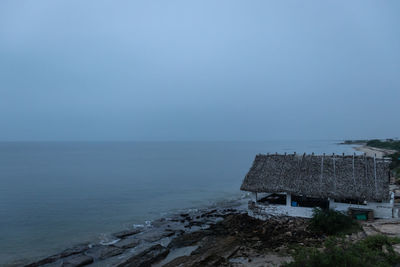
199	70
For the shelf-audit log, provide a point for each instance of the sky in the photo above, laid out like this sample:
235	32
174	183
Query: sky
210	70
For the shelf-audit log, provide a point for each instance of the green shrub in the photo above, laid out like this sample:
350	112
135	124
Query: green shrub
372	251
387	144
395	164
332	222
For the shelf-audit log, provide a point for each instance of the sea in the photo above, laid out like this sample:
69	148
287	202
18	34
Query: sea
54	195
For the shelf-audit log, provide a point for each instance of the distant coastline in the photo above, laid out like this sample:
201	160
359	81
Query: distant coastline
389	148
373	151
375	147
353	142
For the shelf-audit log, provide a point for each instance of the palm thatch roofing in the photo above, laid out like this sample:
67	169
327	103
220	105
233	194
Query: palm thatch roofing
338	177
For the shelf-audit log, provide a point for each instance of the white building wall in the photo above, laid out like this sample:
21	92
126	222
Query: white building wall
263	211
382	210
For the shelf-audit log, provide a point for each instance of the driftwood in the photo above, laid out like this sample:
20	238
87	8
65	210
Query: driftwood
339	177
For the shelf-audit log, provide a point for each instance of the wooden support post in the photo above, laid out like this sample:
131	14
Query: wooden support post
322	173
354	177
376	183
334	172
288	199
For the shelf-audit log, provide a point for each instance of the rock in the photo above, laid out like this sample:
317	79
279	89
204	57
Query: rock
361	235
44	261
127	243
77	260
66	253
159	222
152	236
126	233
103	252
388	228
288	233
237	235
368	230
385	250
396	248
74	250
186	240
146	258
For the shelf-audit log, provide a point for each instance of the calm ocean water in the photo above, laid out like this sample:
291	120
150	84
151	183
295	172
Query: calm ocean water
54	195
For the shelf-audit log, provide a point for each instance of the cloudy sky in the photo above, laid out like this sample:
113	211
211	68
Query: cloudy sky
199	70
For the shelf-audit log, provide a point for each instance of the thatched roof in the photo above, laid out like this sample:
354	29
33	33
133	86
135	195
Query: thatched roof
333	176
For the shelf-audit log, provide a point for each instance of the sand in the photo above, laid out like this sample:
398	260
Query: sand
371	151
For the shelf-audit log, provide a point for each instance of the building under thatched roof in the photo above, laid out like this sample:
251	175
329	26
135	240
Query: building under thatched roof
337	177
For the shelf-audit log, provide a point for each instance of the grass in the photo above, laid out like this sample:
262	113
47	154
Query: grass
372	251
337	251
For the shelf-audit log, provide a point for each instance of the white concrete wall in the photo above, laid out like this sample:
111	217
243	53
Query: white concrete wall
278	210
381	210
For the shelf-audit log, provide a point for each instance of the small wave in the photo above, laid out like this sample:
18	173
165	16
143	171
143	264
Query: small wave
112	242
192	210
135	226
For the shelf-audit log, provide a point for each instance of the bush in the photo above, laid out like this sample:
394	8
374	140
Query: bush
387	144
332	222
372	251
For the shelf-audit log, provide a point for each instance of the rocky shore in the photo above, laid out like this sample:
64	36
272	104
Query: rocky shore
224	236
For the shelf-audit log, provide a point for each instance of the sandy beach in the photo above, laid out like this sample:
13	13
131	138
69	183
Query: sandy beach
371	151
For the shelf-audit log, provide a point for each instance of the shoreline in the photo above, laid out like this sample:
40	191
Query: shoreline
127	243
155	238
224	236
372	151
114	203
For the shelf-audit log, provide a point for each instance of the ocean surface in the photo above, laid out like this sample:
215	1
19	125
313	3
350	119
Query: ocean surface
57	194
